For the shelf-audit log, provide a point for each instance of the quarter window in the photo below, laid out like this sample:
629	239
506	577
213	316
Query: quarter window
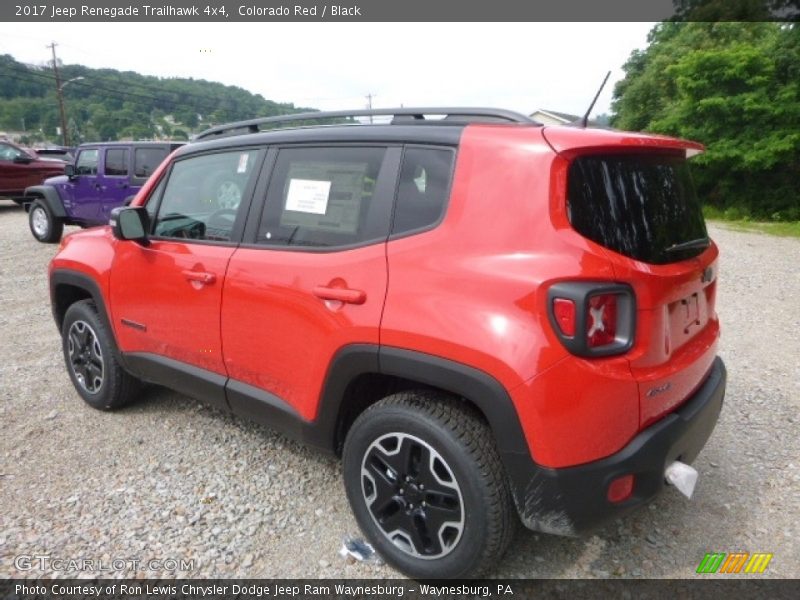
87	163
146	160
202	196
324	197
117	162
423	188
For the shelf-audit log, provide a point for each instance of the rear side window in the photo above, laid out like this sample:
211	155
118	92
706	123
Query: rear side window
146	160
640	206
423	188
117	162
86	163
325	197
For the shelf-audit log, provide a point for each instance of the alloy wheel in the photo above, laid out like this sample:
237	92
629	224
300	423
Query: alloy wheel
85	356
412	495
39	221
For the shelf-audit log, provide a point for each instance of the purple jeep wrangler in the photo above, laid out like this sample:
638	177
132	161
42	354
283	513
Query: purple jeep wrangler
105	175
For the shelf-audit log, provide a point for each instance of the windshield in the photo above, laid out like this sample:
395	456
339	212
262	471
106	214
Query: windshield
642	206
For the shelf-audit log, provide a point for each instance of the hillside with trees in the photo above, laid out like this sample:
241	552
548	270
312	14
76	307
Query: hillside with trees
735	87
105	104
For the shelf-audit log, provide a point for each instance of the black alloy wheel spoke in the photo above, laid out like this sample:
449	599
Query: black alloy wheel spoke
391	516
381	469
412	457
424	539
384	487
94	370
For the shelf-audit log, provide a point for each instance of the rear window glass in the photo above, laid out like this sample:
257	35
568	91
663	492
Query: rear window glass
643	207
423	188
146	160
117	162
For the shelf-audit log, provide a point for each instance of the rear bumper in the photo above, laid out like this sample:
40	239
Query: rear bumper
569	500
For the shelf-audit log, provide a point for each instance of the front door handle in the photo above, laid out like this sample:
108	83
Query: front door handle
341	294
199	276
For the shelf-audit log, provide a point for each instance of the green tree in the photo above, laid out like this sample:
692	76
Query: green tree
735	87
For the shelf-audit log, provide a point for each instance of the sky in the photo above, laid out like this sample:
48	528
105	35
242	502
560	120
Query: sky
330	66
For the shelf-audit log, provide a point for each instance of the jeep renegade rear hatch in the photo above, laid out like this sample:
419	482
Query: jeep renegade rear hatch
640	205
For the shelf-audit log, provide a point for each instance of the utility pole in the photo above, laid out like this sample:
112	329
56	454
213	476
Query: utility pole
60	95
369	98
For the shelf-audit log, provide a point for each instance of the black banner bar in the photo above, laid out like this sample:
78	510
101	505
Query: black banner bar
176	11
701	588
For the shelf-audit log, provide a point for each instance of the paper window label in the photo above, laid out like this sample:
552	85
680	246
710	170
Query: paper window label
308	196
242	168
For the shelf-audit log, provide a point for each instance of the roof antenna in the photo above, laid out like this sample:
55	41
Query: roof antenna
585	119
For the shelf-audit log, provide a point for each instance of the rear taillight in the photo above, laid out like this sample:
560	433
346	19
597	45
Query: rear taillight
591	318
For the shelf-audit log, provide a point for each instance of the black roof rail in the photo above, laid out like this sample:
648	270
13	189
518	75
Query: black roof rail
400	116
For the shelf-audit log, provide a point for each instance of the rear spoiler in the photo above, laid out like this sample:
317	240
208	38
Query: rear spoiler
566	140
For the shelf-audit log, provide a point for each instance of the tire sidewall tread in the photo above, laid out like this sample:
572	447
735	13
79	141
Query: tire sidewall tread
55	225
466	443
119	387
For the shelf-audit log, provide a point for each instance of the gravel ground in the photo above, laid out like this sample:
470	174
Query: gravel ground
170	478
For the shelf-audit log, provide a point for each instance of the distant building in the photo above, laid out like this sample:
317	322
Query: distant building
552	117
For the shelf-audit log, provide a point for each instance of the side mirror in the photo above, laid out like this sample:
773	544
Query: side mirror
69	171
23	159
130	223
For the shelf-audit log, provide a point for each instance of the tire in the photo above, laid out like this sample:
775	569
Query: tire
44	225
90	356
456	486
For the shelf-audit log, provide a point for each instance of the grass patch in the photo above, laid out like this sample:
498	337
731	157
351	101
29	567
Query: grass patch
744	223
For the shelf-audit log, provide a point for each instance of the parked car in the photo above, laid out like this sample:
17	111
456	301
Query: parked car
490	321
64	153
103	177
22	167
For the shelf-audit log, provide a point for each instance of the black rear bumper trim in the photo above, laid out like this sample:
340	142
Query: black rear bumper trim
569	500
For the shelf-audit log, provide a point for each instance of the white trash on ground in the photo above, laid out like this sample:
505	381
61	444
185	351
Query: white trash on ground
359	550
682	476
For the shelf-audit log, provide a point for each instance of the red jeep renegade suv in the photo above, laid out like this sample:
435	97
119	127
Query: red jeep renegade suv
489	320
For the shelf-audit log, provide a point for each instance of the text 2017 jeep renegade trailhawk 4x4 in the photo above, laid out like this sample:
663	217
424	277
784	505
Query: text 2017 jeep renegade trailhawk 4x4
490	320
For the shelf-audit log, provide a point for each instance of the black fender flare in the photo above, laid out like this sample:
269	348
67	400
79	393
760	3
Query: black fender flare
49	195
88	285
476	386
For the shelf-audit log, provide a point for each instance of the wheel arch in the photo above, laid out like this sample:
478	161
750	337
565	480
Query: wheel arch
49	195
362	374
68	287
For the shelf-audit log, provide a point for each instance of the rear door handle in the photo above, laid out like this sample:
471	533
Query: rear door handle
341	294
199	276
